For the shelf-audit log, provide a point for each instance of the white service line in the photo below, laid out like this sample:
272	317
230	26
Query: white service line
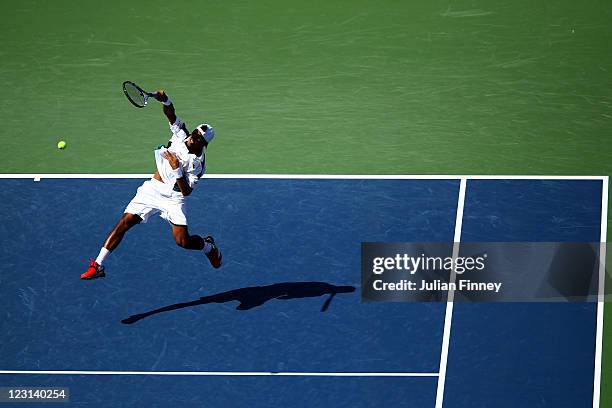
448	317
222	373
600	300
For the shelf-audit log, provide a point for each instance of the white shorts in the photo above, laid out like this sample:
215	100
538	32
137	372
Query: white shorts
155	197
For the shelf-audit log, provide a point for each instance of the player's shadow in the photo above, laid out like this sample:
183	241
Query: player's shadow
256	296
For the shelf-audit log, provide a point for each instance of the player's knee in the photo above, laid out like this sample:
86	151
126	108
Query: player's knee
123	225
127	221
181	241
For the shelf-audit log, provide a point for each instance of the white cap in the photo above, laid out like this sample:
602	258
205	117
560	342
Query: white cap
206	131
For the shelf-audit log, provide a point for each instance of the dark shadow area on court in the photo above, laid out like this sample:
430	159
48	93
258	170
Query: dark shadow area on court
254	296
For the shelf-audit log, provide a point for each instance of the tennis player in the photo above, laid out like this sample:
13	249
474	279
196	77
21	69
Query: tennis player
179	166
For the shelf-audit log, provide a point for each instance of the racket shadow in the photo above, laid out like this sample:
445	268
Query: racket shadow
254	296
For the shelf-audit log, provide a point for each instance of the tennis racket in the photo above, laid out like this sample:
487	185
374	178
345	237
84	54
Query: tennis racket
136	95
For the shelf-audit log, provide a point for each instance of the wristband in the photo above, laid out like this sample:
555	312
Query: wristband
177	173
168	102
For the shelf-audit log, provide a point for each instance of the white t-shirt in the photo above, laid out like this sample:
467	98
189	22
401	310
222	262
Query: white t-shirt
192	166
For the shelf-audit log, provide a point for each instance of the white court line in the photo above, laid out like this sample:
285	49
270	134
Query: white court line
224	373
448	317
600	300
310	176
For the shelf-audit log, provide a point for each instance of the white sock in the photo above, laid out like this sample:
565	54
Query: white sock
102	255
207	247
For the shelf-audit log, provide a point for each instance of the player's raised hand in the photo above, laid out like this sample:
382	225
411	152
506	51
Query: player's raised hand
161	96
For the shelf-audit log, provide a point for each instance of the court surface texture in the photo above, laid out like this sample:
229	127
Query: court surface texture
281	323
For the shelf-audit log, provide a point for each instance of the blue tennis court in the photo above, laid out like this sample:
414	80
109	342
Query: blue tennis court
281	323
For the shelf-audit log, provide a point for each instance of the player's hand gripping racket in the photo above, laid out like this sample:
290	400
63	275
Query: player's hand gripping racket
136	95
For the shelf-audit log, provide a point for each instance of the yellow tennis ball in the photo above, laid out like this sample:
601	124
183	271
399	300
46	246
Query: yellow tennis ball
61	144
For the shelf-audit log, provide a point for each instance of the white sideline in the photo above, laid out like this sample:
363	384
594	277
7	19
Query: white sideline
448	317
600	300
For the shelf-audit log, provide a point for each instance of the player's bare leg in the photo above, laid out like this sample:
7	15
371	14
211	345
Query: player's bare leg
95	269
196	242
126	222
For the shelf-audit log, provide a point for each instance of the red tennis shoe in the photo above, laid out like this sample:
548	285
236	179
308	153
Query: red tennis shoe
94	271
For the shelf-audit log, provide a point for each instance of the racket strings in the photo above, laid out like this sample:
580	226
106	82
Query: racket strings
135	94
